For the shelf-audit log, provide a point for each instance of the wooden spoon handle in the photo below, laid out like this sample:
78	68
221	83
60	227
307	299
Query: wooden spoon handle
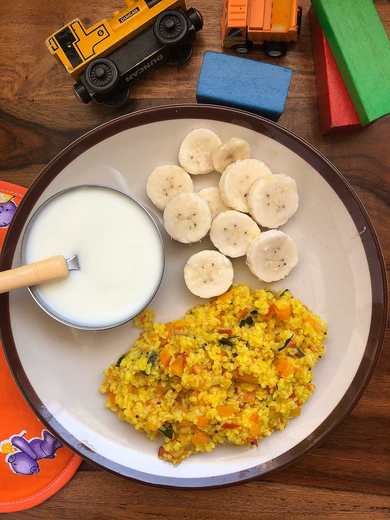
52	268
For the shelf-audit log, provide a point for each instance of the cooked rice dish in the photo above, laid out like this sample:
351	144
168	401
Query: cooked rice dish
232	370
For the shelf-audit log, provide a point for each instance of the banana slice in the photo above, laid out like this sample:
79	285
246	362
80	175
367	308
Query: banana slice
213	197
232	232
237	179
208	274
272	255
165	182
233	150
273	200
187	218
196	150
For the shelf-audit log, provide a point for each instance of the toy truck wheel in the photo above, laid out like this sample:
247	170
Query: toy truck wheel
171	27
241	49
81	93
101	75
275	49
118	98
180	55
196	18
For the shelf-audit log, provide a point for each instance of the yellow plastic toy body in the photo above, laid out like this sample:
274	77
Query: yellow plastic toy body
75	45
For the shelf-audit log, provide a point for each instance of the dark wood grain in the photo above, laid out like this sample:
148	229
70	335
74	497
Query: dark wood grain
349	474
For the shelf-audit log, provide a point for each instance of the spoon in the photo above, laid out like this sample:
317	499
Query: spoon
52	268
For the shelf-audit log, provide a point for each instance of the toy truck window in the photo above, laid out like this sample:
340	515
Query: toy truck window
152	3
234	33
65	39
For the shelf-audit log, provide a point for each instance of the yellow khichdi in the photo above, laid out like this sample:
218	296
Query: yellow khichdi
230	371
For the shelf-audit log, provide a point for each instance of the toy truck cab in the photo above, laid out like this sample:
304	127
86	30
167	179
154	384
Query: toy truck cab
271	23
106	58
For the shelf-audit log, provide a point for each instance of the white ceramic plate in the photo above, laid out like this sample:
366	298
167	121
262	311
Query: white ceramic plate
340	276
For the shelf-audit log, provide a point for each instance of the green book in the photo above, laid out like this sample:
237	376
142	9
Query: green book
362	50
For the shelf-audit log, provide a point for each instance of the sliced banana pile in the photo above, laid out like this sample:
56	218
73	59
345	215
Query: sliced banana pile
165	182
237	180
272	255
187	218
208	274
232	232
233	150
196	151
212	196
273	200
249	197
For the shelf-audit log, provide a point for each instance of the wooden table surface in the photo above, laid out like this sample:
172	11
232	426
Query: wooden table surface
349	474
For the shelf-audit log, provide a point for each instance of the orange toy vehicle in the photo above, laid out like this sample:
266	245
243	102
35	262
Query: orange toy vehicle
271	23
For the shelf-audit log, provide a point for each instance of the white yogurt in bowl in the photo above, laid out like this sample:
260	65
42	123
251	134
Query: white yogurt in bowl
120	253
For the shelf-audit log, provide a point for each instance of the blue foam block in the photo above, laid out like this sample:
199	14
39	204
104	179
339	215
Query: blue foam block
243	83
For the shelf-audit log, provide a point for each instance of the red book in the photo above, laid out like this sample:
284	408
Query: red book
335	105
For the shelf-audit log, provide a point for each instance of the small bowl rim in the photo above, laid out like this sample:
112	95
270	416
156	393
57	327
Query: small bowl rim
323	167
33	291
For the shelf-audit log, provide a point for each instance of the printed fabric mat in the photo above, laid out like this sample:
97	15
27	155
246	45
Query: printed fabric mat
33	463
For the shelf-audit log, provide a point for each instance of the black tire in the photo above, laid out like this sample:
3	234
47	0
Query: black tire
275	49
196	18
117	98
171	27
180	55
241	49
81	93
101	76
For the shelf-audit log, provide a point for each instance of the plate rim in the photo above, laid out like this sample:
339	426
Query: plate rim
328	172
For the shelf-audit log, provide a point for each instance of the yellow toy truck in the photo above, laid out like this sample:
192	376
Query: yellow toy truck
271	23
106	58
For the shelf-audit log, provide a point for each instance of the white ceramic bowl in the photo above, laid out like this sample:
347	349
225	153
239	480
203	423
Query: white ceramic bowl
340	276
